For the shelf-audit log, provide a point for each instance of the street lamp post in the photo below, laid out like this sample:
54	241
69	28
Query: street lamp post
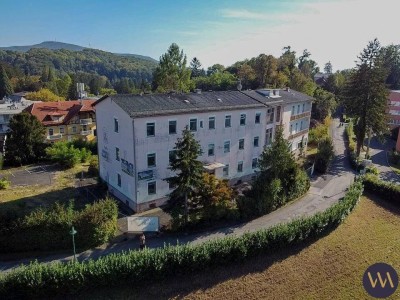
73	232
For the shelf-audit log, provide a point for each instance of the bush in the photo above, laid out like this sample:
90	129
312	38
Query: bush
44	95
42	280
88	145
373	170
324	155
387	190
93	167
48	229
4	183
350	137
66	154
318	133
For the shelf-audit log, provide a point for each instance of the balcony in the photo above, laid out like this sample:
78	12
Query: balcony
300	116
86	121
297	134
86	132
54	137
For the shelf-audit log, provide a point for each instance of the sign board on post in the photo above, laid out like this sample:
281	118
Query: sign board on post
143	224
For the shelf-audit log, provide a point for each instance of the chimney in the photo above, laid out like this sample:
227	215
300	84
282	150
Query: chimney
239	85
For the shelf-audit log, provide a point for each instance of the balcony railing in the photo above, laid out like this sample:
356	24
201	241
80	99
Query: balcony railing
54	137
86	132
86	121
297	134
300	116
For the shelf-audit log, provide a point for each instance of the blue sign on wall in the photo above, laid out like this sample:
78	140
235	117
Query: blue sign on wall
146	175
127	167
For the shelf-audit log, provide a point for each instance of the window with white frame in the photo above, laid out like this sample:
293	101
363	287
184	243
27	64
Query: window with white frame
256	141
242	119
241	144
298	109
240	167
211	123
293	109
193	124
151	160
61	129
117	153
151	188
51	131
257	119
228	121
116	125
225	171
211	149
171	156
268	137
270	115
151	129
172	127
278	114
304	107
227	146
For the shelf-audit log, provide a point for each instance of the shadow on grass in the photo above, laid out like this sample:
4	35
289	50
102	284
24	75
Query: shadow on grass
381	202
183	284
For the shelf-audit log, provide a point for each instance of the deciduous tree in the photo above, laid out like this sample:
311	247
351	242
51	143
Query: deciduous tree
5	85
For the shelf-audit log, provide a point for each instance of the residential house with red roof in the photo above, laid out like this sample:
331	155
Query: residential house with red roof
66	120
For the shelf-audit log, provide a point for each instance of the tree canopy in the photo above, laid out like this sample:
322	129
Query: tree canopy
5	85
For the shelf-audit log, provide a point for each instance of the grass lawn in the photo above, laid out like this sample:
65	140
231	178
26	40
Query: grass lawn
26	198
330	268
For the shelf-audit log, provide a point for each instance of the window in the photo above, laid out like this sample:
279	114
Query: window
254	163
301	125
227	147
201	123
211	148
291	128
227	121
298	109
51	131
61	129
299	145
256	140
151	188
304	107
296	126
116	127
116	153
211	123
151	160
293	109
225	170
270	115
151	129
172	156
278	114
268	136
240	167
258	118
74	129
172	127
119	179
242	119
193	124
241	144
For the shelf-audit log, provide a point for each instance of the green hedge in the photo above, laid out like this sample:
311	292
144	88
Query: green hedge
139	267
48	229
387	190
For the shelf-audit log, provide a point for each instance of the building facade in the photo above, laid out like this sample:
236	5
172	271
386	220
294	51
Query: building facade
137	135
66	120
393	112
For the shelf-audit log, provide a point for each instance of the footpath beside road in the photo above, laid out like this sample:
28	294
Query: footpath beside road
324	192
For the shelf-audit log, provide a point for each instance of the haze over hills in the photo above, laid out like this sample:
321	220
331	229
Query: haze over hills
53	45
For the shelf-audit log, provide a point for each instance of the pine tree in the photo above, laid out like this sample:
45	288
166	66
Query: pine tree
172	73
365	95
188	170
5	85
72	90
24	144
195	67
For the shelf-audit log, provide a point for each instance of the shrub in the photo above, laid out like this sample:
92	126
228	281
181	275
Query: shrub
4	183
93	167
324	155
44	95
45	280
66	154
387	190
372	169
48	229
318	133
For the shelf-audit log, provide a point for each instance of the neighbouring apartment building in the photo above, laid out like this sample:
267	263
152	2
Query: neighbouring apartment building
9	108
66	120
137	135
394	109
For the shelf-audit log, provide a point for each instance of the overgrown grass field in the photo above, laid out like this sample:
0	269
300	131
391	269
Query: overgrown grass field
330	268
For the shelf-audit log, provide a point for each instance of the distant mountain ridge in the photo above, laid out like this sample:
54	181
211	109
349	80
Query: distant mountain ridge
53	45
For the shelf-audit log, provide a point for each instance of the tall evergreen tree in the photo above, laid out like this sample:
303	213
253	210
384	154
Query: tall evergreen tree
5	85
172	74
195	67
365	95
328	68
25	140
72	93
187	168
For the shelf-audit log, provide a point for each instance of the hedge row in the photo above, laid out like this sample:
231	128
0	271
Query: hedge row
387	190
140	267
48	229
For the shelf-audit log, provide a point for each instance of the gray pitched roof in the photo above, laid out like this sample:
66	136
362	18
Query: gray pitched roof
285	96
176	103
173	103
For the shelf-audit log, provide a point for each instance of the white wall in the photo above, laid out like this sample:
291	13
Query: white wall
108	140
162	143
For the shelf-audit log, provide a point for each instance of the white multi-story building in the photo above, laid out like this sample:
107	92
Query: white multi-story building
137	134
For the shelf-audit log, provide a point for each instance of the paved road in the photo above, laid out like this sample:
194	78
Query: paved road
324	191
378	153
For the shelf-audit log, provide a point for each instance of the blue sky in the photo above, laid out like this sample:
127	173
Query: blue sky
214	31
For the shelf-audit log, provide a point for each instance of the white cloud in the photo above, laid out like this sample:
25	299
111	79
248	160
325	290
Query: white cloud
333	31
243	14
